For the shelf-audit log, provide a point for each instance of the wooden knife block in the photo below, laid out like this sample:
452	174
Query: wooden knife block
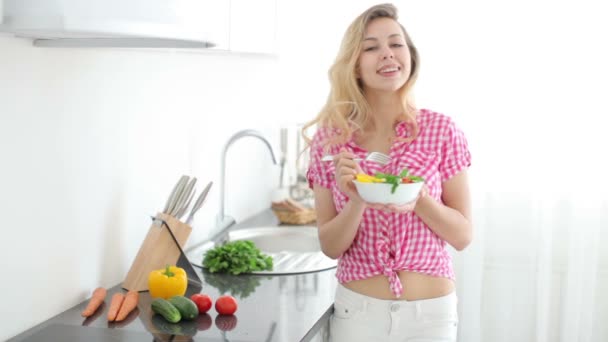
158	250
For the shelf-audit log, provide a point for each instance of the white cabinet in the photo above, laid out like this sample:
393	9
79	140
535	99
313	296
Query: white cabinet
245	26
241	25
253	26
215	17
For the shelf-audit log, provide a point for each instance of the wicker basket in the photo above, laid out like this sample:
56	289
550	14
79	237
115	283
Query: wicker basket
295	217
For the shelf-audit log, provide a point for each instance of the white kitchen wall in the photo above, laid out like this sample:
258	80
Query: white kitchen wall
92	142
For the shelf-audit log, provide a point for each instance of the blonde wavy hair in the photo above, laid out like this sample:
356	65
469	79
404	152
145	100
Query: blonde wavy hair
346	108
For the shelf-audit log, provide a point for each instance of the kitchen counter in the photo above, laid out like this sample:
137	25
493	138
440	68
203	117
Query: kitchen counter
279	308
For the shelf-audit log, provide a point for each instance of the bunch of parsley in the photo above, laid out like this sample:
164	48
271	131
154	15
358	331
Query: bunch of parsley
236	257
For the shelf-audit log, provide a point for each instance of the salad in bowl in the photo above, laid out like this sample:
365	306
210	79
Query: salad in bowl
385	188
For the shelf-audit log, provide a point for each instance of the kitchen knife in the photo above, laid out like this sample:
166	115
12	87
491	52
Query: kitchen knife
199	202
183	182
170	200
172	195
185	199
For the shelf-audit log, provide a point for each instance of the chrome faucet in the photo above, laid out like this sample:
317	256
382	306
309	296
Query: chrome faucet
224	221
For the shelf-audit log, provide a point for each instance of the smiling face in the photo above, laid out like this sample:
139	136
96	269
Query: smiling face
385	62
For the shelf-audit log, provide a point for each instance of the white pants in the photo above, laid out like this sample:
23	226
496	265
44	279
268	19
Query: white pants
358	317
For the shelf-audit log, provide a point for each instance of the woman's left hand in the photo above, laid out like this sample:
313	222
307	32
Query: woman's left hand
401	208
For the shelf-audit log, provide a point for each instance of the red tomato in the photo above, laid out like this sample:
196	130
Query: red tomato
202	301
406	180
225	305
225	322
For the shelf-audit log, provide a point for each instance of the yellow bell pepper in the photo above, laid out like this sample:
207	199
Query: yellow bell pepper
167	282
362	177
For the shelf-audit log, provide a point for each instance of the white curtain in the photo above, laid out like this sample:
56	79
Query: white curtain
532	105
536	269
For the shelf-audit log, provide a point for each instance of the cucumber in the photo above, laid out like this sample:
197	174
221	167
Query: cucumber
166	309
185	306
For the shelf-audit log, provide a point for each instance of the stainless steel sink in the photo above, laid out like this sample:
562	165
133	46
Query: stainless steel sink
294	249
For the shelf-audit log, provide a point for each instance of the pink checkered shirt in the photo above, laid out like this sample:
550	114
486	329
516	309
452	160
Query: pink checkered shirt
389	242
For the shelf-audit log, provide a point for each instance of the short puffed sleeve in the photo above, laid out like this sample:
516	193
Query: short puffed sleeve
319	172
455	154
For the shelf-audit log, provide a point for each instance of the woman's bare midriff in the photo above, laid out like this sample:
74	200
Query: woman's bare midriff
415	286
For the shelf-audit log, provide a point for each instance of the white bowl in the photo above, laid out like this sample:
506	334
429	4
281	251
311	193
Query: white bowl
381	192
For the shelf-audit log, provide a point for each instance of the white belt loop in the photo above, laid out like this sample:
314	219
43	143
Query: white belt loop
394	309
418	311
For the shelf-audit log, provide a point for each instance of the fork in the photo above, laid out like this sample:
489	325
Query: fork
377	157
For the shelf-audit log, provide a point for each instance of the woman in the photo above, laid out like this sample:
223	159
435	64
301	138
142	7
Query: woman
395	273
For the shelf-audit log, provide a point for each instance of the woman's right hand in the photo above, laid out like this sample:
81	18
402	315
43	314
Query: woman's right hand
346	171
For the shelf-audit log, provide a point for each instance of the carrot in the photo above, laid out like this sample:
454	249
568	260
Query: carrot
115	305
128	305
98	296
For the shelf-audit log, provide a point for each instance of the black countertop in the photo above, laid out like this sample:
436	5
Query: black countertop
278	308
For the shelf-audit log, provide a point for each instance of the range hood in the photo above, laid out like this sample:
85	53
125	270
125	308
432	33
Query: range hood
107	23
